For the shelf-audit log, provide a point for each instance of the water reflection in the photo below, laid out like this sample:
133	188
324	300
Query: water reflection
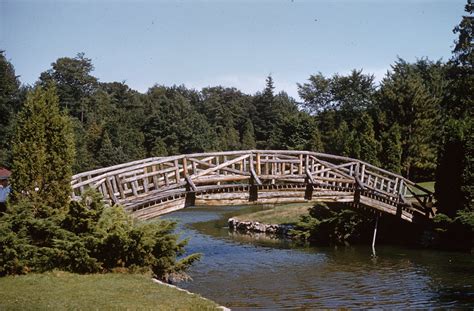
245	273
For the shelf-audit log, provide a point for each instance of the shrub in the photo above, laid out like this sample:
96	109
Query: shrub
332	224
90	237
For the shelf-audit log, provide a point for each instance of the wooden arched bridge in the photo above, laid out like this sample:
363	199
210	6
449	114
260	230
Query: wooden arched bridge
155	186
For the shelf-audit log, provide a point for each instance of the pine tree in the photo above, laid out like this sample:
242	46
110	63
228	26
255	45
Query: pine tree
43	151
265	117
391	149
342	141
315	142
9	105
364	140
107	154
248	136
409	100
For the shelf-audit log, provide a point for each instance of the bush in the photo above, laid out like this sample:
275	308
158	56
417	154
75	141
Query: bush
88	237
456	233
331	225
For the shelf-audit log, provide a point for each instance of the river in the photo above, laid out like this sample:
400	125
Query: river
240	272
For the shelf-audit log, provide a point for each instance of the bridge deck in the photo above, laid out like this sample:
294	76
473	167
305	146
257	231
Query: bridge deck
155	186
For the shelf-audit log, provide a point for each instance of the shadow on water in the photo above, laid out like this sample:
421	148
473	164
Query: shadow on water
243	272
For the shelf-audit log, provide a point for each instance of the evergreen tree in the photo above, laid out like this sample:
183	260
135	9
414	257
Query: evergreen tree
248	136
342	141
43	151
9	105
365	142
464	47
408	100
454	172
391	149
264	120
107	154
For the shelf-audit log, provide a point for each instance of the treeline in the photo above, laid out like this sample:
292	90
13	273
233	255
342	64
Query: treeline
396	124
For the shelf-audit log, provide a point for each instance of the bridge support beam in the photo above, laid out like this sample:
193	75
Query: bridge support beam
253	193
190	192
375	235
308	193
190	199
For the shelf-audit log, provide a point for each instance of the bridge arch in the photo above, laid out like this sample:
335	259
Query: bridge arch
154	186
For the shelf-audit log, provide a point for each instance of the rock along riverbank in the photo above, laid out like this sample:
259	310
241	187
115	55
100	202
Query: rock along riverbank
257	227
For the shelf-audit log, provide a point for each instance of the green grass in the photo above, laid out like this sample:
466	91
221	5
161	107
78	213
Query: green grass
281	214
429	185
112	291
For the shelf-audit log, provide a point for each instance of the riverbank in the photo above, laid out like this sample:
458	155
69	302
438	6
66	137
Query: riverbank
277	221
62	290
240	271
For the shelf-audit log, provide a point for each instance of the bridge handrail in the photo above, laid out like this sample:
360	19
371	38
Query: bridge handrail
97	175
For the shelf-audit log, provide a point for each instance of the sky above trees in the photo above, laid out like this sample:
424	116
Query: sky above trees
229	43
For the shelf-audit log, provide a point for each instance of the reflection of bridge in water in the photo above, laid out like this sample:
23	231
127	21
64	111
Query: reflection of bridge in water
155	186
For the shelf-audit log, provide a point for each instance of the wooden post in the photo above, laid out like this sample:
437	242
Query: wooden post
300	167
185	167
258	170
362	174
253	193
375	235
176	171
190	199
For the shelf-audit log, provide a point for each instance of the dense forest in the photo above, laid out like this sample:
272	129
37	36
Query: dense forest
416	121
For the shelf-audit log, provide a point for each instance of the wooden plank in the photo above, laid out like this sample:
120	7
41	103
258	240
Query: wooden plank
258	171
190	183
310	177
254	176
300	165
110	191
225	169
185	167
176	167
217	167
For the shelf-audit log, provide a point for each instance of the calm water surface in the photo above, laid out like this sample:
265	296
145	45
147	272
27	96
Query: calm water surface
257	273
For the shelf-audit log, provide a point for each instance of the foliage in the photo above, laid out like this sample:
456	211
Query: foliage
9	105
454	174
408	99
391	149
89	237
74	82
455	233
42	151
331	224
464	48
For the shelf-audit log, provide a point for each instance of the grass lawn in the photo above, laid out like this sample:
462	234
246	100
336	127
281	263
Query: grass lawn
429	185
65	291
280	214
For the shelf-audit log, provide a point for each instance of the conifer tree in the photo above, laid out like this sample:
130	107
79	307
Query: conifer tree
248	136
265	117
9	104
364	140
107	154
409	101
391	149
43	151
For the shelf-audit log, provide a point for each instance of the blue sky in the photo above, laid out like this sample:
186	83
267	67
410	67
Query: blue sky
231	43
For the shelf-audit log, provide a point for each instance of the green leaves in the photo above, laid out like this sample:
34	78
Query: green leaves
43	151
90	237
331	224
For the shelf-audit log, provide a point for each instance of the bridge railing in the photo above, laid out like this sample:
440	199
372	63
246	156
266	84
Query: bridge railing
177	174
